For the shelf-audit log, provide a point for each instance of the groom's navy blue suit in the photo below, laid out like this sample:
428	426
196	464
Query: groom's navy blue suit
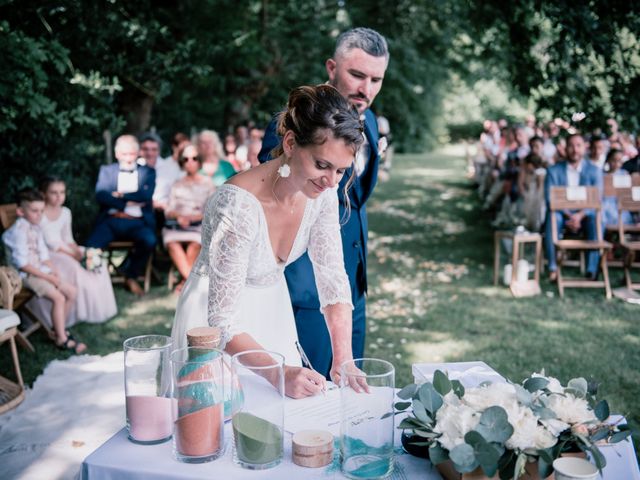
310	323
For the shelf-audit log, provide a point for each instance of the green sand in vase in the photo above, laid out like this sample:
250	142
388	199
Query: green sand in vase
257	441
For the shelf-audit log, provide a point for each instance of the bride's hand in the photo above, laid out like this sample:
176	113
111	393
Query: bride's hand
301	382
356	378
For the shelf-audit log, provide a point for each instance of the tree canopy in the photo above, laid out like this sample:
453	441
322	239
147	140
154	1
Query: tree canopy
75	69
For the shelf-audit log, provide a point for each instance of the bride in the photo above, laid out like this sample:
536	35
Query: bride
262	220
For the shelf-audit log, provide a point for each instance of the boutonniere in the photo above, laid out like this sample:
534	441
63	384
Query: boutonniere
382	145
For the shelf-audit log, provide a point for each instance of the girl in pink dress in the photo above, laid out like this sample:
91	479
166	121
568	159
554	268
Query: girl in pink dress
95	301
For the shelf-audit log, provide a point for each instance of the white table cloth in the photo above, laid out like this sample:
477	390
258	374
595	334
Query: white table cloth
120	459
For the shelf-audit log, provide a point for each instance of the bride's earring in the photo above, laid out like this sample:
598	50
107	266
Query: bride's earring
284	170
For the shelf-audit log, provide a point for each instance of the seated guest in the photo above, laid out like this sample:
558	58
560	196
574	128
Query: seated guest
28	253
531	187
95	301
610	204
150	145
182	232
597	151
168	171
210	153
633	165
572	172
252	154
124	193
230	151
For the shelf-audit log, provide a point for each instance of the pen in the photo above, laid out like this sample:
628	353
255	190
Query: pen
305	360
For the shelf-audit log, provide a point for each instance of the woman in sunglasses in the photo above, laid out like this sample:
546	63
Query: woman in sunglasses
182	232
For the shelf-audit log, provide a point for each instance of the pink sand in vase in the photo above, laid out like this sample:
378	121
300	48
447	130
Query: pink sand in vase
150	419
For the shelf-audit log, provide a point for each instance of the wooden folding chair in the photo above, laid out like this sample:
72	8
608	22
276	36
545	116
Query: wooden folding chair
11	392
126	246
579	198
629	200
8	216
612	184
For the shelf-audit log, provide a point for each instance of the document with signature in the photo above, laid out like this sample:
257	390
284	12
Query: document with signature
322	412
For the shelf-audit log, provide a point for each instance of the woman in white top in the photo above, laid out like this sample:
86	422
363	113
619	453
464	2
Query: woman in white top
262	220
95	301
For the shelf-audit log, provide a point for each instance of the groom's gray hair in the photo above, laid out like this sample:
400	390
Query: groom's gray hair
363	38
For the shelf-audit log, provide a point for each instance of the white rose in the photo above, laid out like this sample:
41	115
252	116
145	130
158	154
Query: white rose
454	420
571	409
495	394
555	426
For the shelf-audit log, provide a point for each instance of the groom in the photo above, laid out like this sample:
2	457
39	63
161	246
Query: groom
356	70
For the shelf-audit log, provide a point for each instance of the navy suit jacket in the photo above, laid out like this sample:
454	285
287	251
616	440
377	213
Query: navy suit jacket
590	176
300	278
108	183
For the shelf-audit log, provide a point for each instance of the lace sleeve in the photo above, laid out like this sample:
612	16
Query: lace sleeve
234	228
325	252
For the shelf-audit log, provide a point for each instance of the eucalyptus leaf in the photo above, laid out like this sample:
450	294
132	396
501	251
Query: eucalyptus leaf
463	458
420	413
486	454
544	413
408	392
458	388
545	467
523	395
600	434
402	405
430	398
411	423
426	434
619	436
602	410
578	386
494	425
546	455
534	384
387	415
598	458
437	454
441	383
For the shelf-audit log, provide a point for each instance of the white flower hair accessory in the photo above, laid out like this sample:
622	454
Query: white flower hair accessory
284	170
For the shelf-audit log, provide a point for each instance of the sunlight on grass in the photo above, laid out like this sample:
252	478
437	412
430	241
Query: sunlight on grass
438	350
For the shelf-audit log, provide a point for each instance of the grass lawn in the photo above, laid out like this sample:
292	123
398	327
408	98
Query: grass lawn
431	297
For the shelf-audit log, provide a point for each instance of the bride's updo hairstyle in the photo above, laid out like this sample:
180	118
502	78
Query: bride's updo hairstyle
315	112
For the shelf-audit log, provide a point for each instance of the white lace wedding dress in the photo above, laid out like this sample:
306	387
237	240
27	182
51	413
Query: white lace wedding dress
238	285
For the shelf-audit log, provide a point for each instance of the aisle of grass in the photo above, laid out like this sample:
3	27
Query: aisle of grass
431	297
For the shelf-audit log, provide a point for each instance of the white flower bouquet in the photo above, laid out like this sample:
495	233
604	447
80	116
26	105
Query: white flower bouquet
501	428
93	259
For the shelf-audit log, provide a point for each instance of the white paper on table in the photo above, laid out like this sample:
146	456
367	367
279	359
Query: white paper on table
321	412
622	181
470	374
576	194
635	194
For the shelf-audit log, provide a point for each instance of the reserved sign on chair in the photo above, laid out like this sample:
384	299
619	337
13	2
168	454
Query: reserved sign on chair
635	194
576	194
621	181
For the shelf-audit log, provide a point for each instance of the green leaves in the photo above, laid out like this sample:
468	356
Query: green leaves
430	398
441	383
494	425
534	384
578	387
602	410
463	457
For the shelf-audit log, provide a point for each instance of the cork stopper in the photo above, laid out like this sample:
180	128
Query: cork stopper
312	448
206	337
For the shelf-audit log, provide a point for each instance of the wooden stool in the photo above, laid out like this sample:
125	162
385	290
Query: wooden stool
11	393
520	239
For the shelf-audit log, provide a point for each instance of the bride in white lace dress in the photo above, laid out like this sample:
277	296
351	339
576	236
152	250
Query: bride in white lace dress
262	220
